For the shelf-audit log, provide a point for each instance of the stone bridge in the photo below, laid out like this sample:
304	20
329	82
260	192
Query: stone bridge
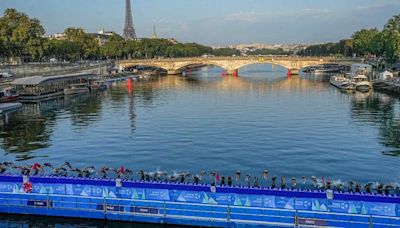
232	64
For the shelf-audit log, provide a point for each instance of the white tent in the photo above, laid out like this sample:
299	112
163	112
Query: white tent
385	75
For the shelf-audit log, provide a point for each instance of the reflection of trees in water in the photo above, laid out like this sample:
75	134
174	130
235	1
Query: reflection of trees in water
147	92
31	129
84	109
21	135
117	95
379	109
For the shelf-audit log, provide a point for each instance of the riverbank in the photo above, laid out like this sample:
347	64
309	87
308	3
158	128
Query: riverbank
45	69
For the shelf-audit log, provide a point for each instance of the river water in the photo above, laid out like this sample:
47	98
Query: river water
292	126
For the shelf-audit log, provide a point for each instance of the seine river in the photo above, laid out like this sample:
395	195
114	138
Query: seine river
292	126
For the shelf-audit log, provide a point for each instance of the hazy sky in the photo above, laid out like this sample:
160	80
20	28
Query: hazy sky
217	22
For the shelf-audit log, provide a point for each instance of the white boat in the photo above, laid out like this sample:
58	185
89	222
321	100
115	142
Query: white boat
342	82
361	83
76	89
385	75
359	74
5	75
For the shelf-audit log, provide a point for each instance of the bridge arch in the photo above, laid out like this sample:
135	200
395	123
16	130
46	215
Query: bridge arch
182	67
293	66
241	66
155	65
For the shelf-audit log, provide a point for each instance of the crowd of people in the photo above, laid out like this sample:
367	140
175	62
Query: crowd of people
239	180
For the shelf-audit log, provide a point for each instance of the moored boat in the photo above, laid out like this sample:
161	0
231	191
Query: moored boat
8	95
342	82
35	88
98	85
359	76
76	89
361	83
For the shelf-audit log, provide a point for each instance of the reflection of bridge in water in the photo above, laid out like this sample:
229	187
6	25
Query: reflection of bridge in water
232	64
237	84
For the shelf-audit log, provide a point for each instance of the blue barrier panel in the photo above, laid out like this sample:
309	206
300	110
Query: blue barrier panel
79	197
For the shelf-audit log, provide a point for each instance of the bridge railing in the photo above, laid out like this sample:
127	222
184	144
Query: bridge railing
180	213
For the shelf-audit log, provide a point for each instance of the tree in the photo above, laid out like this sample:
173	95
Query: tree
21	35
346	47
132	48
63	50
366	41
37	48
91	49
82	45
2	50
391	37
114	48
225	52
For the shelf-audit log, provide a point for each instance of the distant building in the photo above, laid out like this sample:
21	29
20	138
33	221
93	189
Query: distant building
244	48
58	36
154	35
107	33
172	40
102	36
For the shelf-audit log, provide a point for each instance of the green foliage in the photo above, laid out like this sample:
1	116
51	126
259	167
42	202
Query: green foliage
366	41
391	36
342	48
63	49
385	43
117	48
266	51
82	46
2	49
226	52
21	36
114	48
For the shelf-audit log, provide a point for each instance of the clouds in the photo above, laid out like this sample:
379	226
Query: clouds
315	11
380	5
250	17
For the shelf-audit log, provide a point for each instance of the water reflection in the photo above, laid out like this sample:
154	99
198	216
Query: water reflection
31	128
20	135
21	221
379	109
84	109
297	125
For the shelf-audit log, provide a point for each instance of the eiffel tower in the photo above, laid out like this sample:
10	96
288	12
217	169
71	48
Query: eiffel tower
129	31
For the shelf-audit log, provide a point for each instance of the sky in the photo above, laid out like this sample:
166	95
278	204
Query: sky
217	22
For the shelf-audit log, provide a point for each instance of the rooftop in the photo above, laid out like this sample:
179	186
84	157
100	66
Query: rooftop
36	80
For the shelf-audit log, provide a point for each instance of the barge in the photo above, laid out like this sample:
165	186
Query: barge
36	88
194	204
